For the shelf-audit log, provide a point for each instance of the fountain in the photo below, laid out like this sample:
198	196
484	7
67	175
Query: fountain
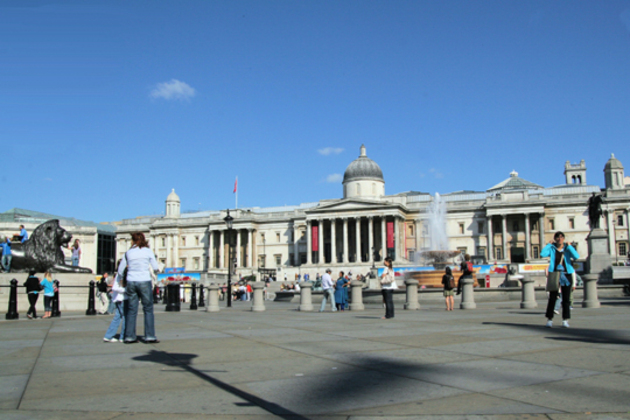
438	253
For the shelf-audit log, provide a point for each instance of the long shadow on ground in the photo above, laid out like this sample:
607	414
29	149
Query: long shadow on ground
584	335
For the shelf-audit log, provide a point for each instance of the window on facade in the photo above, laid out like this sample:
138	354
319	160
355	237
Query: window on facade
278	260
499	253
410	230
163	261
197	240
552	224
461	228
535	225
480	227
535	251
182	262
515	227
277	236
262	260
463	249
183	241
163	241
411	254
481	250
623	249
262	237
571	223
620	220
195	263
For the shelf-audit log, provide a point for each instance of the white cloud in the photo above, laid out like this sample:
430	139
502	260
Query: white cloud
436	174
334	178
174	89
330	151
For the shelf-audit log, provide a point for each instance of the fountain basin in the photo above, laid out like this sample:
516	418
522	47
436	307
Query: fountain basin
433	279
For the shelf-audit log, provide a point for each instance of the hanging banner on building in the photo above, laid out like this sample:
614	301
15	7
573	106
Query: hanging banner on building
390	235
183	277
174	270
315	238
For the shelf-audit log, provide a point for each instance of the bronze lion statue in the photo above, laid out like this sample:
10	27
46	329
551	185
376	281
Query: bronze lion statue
42	251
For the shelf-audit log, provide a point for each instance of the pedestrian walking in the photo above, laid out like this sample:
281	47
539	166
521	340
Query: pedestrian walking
448	281
388	285
341	292
138	261
560	276
49	293
118	299
33	287
329	291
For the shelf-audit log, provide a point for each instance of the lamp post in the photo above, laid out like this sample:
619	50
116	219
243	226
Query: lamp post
228	221
373	258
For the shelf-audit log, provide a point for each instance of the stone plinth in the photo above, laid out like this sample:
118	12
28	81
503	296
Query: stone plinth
468	299
590	291
599	260
528	294
411	302
357	296
213	298
259	300
306	298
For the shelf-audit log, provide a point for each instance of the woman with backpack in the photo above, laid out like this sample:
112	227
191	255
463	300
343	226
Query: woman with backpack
449	285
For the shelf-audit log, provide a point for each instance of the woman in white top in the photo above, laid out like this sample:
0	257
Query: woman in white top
138	261
118	298
388	284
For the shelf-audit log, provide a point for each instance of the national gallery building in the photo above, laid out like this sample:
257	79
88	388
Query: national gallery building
509	222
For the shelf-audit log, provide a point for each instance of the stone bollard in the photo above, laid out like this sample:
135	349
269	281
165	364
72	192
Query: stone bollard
259	300
357	296
528	294
173	305
90	309
213	298
590	291
306	299
412	294
55	301
202	304
468	299
12	312
193	297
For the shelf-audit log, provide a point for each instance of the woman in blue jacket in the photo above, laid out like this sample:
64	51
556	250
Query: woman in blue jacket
561	257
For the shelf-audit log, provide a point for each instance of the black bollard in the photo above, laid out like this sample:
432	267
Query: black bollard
193	297
12	312
155	294
165	295
55	301
174	305
202	304
90	309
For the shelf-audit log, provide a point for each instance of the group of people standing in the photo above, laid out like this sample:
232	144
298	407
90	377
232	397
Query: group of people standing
34	287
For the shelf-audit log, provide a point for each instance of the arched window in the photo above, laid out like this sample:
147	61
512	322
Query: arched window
579	179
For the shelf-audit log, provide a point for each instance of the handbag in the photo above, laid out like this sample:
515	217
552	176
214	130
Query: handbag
123	281
553	278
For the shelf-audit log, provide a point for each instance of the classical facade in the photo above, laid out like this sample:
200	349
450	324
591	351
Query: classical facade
509	222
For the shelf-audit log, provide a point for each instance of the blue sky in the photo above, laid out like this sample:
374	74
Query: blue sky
106	106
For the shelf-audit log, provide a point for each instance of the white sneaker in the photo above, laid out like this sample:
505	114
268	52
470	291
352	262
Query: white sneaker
111	340
548	324
565	324
556	312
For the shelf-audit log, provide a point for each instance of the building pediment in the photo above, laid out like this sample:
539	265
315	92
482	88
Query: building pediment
353	206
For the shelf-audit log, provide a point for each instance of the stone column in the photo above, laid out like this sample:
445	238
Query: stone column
412	294
345	241
169	253
504	236
383	238
490	240
371	238
320	232
296	246
213	298
221	248
611	232
306	301
528	293
357	296
176	250
258	304
628	224
239	254
417	230
358	238
309	242
396	240
541	227
250	249
468	299
590	291
528	239
333	241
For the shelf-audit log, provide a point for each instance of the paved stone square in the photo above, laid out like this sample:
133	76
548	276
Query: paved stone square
494	362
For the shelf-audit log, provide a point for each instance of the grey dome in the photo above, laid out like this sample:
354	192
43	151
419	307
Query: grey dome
363	168
613	163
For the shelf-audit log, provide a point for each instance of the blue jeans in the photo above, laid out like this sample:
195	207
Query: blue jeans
328	293
119	316
6	262
75	261
135	291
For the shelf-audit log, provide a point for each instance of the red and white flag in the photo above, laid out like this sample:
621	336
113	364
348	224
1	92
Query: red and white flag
235	185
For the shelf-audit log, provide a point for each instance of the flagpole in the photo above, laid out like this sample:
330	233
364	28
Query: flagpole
236	192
